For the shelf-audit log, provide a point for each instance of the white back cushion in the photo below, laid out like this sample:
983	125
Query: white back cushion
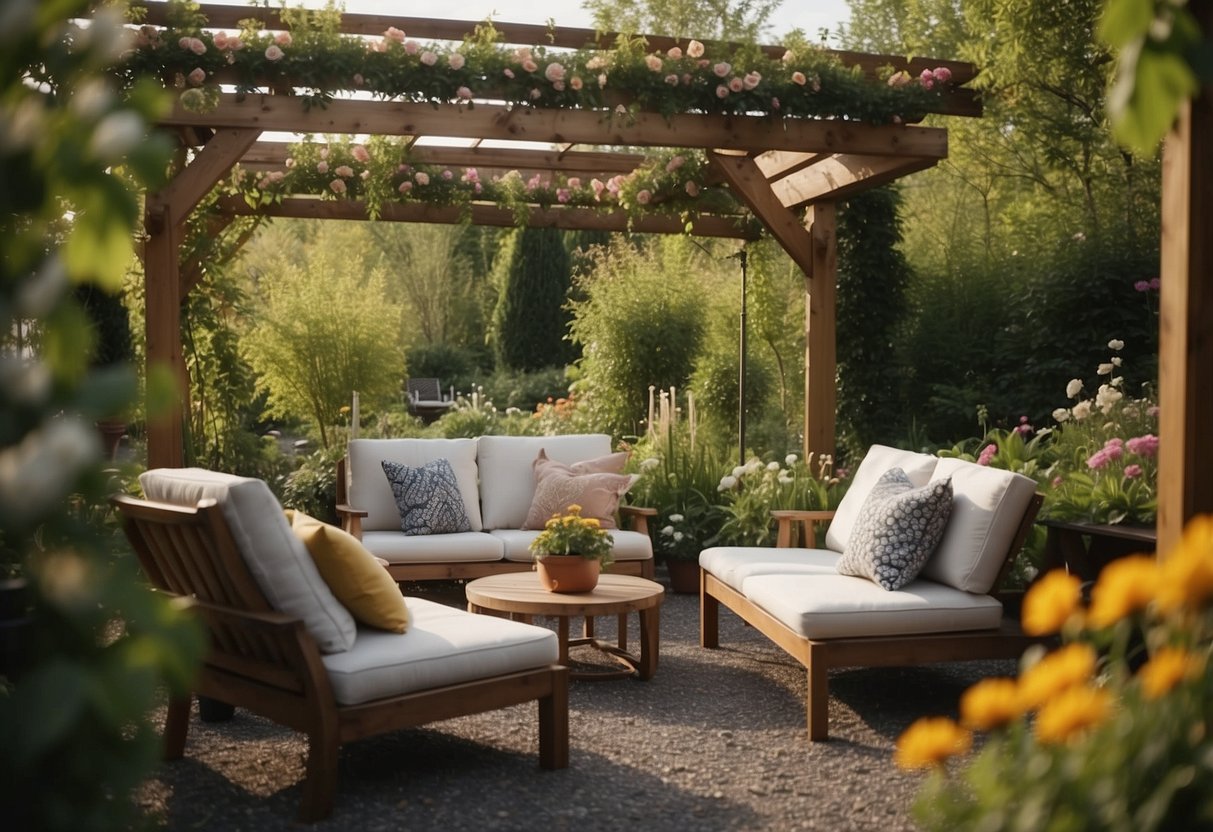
369	488
277	558
988	505
507	484
880	458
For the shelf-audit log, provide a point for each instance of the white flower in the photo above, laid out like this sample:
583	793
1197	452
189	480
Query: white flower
1074	388
727	484
678	536
753	466
676	518
785	479
650	463
1107	396
1044	432
739	471
772	466
1116	344
1105	369
790	459
1061	414
667	531
1081	410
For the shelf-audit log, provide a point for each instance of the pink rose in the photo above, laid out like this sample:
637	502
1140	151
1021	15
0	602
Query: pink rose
273	53
338	186
1132	472
344	171
735	84
509	73
644	197
197	76
788	56
322	167
1142	285
899	79
197	46
926	79
653	63
574	182
360	154
692	189
283	38
447	175
596	62
235	44
575	82
722	91
429	58
751	80
395	34
695	49
798	78
530	66
942	74
562	195
422	177
184	43
405	187
558	86
464	93
471	175
598	187
456	61
554	72
324	153
722	69
220	40
411	47
674	53
672	79
674	164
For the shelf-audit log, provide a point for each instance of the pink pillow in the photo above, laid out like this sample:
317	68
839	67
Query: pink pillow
597	491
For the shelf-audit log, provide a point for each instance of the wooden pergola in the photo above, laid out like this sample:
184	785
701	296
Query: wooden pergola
789	173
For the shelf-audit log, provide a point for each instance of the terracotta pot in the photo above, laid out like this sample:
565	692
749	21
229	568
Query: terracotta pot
568	573
684	575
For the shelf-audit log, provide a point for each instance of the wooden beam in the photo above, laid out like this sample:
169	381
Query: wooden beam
778	163
820	321
844	175
1185	349
162	282
191	184
398	118
748	184
567	218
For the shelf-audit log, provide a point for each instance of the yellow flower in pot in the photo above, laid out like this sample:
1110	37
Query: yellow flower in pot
571	551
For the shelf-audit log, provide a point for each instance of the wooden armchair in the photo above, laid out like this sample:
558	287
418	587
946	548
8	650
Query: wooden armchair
268	662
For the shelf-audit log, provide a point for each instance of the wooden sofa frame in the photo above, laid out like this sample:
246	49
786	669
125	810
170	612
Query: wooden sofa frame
351	520
819	655
267	662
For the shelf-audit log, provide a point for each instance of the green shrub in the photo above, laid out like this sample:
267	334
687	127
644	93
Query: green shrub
453	365
312	487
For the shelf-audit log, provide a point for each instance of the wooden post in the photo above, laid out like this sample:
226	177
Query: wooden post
820	359
162	280
1185	348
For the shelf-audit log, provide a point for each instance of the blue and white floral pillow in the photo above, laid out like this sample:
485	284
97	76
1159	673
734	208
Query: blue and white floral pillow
427	498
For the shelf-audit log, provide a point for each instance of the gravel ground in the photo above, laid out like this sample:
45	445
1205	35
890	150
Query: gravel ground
715	741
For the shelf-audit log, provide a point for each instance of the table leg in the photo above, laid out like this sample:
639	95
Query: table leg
623	631
588	629
562	634
650	631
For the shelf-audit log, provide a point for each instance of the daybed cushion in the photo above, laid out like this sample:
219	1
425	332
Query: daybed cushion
463	547
276	558
369	489
360	583
880	458
506	485
628	545
987	506
733	564
444	646
839	606
427	498
897	530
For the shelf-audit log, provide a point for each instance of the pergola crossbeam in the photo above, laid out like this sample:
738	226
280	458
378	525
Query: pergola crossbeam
841	176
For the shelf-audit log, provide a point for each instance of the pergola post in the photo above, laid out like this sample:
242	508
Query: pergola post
1185	348
820	353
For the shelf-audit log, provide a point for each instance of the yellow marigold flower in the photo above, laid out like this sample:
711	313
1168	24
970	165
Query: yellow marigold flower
592	521
574	508
1125	586
1062	669
1072	712
1050	602
1166	669
1187	573
991	703
930	741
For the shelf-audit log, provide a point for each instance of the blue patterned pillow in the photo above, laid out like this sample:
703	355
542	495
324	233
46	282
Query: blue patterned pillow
428	498
897	530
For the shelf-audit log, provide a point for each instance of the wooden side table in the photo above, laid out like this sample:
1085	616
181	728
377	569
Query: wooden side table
519	596
1086	548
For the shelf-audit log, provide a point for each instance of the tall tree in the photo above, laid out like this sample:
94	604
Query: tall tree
744	20
532	319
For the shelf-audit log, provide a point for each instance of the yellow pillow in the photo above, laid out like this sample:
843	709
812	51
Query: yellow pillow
352	573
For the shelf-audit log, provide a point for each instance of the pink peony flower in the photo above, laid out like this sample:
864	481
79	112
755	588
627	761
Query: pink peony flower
273	53
576	83
799	79
751	80
692	189
338	186
405	187
926	79
428	58
197	76
283	38
942	74
422	177
674	53
471	175
562	195
722	91
987	454
360	154
554	72
344	171
395	34
735	84
1098	459
653	63
694	49
464	93
456	61
322	167
508	73
644	197
530	66
1152	411
411	47
1143	445
1132	472
1155	283
722	69
672	79
1142	285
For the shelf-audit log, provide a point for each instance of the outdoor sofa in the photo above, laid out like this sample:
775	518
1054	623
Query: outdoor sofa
797	597
496	482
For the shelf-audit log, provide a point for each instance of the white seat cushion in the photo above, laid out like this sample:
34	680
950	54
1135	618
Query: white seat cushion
988	504
369	488
839	606
733	564
507	484
460	547
628	545
277	559
443	646
880	458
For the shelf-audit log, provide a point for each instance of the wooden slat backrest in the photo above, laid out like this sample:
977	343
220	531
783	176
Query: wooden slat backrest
1021	537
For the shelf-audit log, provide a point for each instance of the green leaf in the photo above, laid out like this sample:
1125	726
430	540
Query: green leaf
1124	20
50	700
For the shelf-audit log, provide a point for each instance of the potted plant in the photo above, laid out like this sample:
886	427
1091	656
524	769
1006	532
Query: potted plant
571	551
685	533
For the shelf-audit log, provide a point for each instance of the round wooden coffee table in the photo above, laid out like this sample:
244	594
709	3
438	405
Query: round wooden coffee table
518	595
